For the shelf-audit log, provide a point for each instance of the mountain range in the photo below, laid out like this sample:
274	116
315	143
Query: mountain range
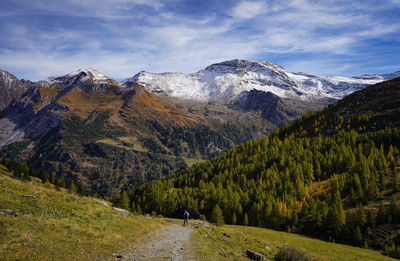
108	134
229	79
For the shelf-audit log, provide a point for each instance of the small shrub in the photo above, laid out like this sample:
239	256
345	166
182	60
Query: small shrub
47	184
202	217
292	254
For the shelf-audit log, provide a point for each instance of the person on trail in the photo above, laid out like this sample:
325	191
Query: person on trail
185	218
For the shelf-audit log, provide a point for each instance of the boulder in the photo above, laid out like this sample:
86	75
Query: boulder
254	255
202	223
100	201
28	196
122	211
8	212
118	255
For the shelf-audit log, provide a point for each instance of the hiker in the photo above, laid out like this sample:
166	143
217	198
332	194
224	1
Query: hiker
185	218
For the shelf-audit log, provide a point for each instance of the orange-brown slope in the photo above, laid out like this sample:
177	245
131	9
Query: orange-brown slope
129	109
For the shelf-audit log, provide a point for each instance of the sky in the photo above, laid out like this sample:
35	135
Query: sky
119	38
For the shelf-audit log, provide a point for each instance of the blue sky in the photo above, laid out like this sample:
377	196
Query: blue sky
122	37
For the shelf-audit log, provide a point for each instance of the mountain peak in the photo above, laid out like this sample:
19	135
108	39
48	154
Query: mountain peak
237	66
91	74
7	77
226	80
96	76
85	75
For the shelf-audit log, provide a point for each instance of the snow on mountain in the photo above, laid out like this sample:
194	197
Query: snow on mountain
7	78
228	79
86	74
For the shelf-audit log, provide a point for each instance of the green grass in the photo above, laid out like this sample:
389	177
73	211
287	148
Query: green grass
192	161
231	242
4	170
56	225
127	143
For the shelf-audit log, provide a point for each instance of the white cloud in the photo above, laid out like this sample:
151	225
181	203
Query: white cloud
319	67
101	9
120	42
248	9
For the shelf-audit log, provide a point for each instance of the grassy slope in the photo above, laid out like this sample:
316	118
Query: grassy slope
231	242
62	226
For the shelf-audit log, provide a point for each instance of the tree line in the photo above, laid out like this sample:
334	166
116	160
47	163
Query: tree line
295	179
21	171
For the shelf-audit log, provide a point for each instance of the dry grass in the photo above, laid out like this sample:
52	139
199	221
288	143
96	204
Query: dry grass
56	225
128	143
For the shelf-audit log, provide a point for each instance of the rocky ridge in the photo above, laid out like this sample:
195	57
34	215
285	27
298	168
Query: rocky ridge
227	80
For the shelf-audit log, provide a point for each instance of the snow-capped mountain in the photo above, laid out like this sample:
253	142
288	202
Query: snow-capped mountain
228	79
86	75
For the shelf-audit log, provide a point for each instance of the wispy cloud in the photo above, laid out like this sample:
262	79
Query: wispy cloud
248	9
119	38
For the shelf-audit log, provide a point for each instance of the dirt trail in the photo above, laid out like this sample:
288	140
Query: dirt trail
168	243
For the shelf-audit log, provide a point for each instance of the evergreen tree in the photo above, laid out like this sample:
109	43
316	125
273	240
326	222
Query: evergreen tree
43	175
216	216
395	179
62	183
381	215
394	210
124	202
333	222
72	187
139	210
116	198
52	177
80	189
57	182
234	221
361	217
357	236
245	220
370	219
133	207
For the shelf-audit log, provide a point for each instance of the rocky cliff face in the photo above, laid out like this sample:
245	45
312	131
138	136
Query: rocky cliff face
10	88
269	106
